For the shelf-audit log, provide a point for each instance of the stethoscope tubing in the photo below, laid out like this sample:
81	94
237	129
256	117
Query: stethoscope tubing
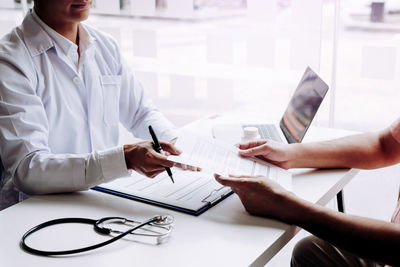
78	250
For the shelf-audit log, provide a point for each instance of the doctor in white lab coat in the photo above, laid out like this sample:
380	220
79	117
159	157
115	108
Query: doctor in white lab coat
64	88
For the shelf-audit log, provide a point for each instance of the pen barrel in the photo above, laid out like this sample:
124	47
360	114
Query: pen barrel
158	148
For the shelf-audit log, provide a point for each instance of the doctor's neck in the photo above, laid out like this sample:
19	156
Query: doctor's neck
63	16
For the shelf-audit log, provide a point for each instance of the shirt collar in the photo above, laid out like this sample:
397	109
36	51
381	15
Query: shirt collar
60	42
36	39
85	39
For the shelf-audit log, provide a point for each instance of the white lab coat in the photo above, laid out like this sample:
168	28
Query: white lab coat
59	126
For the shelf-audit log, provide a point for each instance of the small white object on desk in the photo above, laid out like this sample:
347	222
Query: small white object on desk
250	134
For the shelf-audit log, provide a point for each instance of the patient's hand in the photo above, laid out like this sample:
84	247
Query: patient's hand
279	154
261	196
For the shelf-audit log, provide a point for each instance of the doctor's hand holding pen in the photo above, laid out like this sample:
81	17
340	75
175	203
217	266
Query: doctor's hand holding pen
144	159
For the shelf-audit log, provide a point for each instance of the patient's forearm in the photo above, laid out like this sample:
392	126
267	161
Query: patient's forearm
364	151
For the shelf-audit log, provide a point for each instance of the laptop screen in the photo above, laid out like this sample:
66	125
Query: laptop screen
303	106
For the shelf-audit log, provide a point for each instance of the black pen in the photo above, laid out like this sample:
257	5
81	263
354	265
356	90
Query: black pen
158	148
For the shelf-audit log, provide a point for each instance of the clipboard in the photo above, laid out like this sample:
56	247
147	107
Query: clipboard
212	203
192	193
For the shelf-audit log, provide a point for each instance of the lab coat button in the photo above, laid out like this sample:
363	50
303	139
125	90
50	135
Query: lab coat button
76	80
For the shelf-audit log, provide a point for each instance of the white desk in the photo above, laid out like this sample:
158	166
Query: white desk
224	235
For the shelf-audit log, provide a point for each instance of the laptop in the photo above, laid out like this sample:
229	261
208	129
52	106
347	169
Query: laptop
296	120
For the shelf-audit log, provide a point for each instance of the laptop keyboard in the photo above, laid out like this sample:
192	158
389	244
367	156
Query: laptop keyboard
266	131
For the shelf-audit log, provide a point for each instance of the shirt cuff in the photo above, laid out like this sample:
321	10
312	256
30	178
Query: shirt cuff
112	162
78	173
168	135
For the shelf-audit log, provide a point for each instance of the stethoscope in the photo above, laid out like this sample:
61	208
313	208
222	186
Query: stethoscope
160	227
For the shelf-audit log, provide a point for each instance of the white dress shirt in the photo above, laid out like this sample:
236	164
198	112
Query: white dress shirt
59	112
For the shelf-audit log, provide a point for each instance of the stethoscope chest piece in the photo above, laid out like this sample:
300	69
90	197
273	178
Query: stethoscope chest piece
164	220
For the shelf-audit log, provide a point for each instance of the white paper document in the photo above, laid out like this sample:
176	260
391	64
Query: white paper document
215	156
193	192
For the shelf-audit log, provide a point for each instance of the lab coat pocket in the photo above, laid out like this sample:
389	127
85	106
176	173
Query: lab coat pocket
111	90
